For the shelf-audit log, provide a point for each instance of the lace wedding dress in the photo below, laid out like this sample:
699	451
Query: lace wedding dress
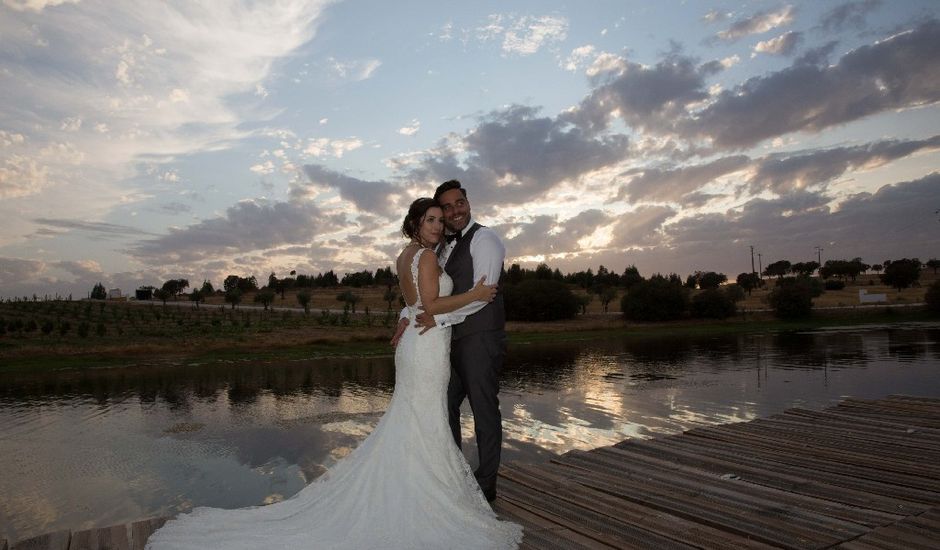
406	486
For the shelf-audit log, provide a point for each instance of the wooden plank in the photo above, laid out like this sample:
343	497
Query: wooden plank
541	479
779	483
915	399
851	431
539	532
842	437
584	521
141	531
742	493
845	455
58	540
106	538
830	462
814	477
741	522
829	417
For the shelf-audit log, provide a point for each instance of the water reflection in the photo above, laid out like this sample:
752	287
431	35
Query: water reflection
96	447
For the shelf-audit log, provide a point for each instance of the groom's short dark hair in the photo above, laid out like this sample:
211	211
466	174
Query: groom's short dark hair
447	186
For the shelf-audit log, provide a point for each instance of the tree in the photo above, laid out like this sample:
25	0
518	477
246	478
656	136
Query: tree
162	294
196	296
175	286
272	281
777	269
656	299
583	300
748	281
303	298
206	288
933	264
514	275
606	295
543	272
230	282
265	296
932	297
901	274
349	298
98	292
539	300
710	279
804	268
233	296
390	296
630	277
712	303
792	298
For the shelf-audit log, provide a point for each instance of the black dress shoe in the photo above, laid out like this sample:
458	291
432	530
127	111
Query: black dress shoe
490	494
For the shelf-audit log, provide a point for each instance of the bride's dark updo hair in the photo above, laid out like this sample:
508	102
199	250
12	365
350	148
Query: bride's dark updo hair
412	224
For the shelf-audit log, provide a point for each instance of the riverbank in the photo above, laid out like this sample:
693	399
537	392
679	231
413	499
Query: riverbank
369	338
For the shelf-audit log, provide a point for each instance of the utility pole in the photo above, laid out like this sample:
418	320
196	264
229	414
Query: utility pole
752	258
819	255
760	264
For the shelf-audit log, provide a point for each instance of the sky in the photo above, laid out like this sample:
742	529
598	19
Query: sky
153	140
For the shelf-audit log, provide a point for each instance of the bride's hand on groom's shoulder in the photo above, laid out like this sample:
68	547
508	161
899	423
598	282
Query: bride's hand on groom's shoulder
484	292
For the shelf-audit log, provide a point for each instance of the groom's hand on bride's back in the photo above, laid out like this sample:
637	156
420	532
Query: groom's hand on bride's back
425	321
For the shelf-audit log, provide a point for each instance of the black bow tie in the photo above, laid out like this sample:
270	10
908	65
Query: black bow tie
453	236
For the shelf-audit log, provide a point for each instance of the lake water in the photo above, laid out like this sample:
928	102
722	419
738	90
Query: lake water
97	447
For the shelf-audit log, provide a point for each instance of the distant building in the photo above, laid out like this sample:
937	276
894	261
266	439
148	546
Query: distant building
114	294
144	293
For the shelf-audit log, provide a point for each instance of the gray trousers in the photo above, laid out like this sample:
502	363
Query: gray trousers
476	361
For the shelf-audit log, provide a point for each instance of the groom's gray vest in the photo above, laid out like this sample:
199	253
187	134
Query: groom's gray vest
460	268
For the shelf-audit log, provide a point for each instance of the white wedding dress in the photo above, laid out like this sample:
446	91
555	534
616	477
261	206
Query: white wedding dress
406	486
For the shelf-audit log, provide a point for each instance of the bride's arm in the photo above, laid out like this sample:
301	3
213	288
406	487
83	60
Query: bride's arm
428	288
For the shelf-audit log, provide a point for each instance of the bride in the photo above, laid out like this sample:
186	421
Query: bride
405	486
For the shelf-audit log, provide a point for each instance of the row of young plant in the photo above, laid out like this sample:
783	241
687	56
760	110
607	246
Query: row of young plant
64	320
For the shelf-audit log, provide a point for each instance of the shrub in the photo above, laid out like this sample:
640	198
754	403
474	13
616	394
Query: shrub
31	326
101	330
792	298
932	298
83	329
835	284
539	300
47	327
712	304
657	299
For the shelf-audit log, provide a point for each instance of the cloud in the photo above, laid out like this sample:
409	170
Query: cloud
899	72
781	45
129	73
411	129
246	226
758	23
652	97
513	156
640	227
175	208
848	14
96	230
35	5
792	172
354	70
377	197
715	16
673	185
325	147
524	35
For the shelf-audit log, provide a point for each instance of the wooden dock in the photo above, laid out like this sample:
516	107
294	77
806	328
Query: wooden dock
862	475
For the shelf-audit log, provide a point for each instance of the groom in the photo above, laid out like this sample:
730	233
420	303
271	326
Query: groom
478	344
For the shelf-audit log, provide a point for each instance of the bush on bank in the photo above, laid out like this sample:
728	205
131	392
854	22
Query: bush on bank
713	303
539	300
657	299
792	298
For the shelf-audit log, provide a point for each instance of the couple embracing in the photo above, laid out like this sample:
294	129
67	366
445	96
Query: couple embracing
407	485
